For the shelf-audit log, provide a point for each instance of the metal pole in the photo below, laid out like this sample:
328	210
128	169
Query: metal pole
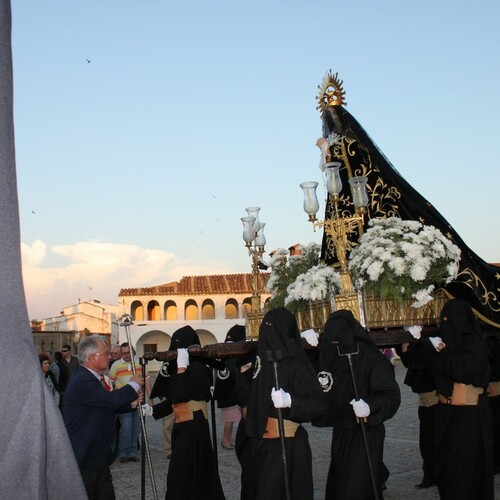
363	429
212	411
274	358
143	440
126	323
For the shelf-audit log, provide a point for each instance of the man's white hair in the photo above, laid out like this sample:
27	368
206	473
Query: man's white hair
89	345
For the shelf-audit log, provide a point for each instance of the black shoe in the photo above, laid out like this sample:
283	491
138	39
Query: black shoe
427	482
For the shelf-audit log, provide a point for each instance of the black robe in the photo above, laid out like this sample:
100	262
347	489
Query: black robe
420	381
224	387
349	475
494	352
192	472
243	442
279	336
464	454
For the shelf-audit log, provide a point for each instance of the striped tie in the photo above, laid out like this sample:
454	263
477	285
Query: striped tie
105	384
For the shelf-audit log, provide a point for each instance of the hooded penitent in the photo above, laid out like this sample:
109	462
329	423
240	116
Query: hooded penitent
344	340
344	335
462	336
463	434
342	329
236	333
183	338
224	390
280	341
390	195
457	321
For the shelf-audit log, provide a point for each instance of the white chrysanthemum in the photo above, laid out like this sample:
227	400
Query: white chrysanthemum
398	265
412	251
375	270
278	256
452	270
418	272
423	296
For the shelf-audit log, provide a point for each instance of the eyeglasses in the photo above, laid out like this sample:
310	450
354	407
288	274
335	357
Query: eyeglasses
64	350
106	353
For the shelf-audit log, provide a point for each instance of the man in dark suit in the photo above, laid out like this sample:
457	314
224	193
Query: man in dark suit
90	409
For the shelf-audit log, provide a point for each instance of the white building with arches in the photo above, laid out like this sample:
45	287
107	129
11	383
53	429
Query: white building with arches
210	304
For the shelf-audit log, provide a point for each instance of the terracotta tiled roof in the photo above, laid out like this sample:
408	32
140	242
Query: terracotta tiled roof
202	285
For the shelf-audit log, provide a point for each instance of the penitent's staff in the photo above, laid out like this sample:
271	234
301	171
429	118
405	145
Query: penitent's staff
274	358
349	356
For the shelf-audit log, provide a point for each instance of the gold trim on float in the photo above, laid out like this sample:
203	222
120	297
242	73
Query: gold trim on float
373	312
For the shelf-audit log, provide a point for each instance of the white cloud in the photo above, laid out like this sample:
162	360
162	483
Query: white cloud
89	270
33	254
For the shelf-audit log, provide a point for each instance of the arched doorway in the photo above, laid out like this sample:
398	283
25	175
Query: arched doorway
152	341
206	337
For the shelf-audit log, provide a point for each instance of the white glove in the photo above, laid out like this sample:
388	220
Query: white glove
147	410
310	336
435	341
415	331
182	358
281	399
361	408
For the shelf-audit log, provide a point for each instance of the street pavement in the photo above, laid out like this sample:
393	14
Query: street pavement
401	456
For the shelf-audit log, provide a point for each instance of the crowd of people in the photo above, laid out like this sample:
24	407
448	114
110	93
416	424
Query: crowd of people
346	383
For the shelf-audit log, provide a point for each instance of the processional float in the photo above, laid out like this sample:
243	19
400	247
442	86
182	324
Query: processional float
387	254
366	197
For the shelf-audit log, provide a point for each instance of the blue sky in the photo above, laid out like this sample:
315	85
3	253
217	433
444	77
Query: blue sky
139	164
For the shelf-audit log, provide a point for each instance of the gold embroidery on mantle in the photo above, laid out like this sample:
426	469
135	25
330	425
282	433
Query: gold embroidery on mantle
472	280
383	197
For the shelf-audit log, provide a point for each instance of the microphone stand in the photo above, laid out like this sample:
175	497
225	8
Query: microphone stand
143	439
144	444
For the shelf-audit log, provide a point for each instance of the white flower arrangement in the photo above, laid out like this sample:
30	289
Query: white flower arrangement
318	283
295	280
403	260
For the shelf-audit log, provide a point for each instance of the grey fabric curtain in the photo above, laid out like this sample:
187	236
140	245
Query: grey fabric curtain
36	460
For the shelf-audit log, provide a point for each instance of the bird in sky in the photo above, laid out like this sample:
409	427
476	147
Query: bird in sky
88	60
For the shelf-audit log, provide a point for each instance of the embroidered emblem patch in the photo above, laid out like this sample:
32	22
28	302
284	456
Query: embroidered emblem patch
164	370
325	380
223	374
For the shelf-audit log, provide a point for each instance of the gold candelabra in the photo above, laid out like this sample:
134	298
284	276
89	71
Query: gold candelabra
338	227
255	241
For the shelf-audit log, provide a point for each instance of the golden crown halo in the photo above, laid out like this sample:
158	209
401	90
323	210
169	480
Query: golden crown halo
331	92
